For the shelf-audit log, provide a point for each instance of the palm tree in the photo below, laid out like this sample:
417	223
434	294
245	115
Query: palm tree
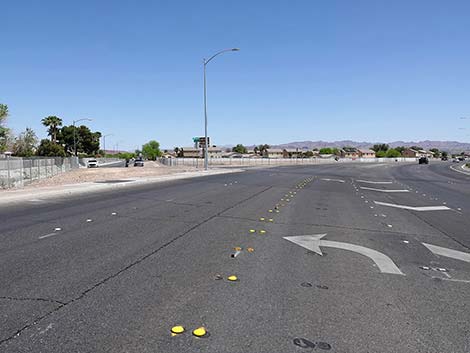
52	122
3	112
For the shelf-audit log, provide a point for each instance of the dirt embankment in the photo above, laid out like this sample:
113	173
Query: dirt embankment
83	175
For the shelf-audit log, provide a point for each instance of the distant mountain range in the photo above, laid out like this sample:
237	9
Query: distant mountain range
449	146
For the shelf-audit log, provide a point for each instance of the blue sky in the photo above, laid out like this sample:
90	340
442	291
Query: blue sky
307	70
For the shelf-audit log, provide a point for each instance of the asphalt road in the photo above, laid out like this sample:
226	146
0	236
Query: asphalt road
127	266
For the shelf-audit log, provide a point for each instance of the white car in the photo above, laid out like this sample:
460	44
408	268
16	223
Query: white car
92	163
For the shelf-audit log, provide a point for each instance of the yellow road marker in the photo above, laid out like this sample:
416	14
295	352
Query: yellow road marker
250	249
177	329
262	219
262	231
252	231
270	211
200	332
232	278
237	248
271	220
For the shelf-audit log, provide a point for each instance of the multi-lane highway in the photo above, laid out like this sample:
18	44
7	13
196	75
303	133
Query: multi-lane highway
345	257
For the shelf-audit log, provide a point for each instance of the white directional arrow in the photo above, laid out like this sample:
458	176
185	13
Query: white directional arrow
313	243
458	255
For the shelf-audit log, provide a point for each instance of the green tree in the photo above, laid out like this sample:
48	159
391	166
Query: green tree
416	148
380	147
239	149
50	149
178	151
25	144
261	149
87	141
3	112
5	133
444	154
400	149
392	153
435	151
151	150
52	122
307	154
380	154
326	150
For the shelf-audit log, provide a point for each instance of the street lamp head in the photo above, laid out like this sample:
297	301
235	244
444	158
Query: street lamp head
235	49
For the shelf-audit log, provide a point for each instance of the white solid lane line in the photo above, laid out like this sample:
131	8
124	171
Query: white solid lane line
375	182
421	209
337	180
47	235
383	190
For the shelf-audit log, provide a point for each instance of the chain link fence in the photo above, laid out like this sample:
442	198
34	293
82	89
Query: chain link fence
246	162
17	172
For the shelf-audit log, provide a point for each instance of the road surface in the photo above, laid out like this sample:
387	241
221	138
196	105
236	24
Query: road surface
382	264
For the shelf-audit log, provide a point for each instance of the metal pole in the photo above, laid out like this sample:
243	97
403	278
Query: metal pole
74	140
206	155
8	169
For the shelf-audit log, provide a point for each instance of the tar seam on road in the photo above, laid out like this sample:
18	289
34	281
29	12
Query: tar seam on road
134	263
381	231
438	229
33	299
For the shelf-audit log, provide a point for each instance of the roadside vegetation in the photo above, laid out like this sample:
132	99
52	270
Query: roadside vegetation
62	141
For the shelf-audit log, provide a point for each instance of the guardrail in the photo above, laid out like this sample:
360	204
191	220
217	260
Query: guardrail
17	172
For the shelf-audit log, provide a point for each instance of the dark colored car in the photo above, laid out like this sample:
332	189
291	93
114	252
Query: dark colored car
139	162
423	160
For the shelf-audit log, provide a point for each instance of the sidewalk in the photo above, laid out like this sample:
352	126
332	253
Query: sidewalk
46	191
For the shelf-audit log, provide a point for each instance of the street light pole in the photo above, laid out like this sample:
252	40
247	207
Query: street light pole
74	138
206	144
104	144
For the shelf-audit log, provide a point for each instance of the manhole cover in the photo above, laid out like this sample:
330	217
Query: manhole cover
112	181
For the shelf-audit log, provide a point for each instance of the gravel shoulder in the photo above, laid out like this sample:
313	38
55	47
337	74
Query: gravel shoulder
86	180
84	175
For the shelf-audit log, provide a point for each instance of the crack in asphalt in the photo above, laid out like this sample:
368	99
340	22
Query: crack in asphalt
134	263
435	227
33	299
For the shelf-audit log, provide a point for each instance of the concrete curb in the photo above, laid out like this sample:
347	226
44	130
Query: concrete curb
63	191
464	170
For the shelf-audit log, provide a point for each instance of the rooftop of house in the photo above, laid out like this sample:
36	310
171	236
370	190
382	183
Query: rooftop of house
190	149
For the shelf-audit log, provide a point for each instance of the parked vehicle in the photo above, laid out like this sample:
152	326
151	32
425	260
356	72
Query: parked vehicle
423	160
92	163
455	160
139	162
